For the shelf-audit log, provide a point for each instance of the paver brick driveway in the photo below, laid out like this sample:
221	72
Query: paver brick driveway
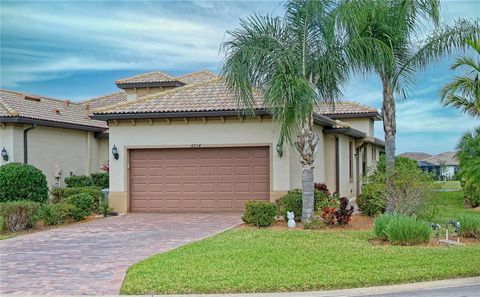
93	257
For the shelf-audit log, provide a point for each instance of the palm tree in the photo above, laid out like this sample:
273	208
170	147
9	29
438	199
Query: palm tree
397	24
469	157
464	91
297	61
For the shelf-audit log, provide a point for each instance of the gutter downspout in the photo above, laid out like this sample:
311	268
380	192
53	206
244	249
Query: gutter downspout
25	143
337	165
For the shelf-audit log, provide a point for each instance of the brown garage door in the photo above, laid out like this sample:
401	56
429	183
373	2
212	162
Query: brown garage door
197	179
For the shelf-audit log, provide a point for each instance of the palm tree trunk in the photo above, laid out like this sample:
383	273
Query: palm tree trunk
307	144
307	193
389	127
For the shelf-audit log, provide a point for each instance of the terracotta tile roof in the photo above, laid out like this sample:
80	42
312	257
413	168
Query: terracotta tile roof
447	158
212	95
149	77
197	77
106	100
345	107
417	156
209	95
22	105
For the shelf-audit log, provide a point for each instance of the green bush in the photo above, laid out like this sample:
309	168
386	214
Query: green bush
100	180
84	204
314	224
55	214
57	195
260	213
372	202
95	192
22	182
19	215
472	194
402	229
292	201
104	209
78	181
470	226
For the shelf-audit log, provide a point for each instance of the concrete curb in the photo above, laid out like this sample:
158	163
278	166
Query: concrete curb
369	291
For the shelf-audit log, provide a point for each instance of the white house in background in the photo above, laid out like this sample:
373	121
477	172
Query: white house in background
444	165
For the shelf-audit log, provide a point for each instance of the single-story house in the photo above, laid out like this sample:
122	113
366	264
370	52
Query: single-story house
57	136
444	166
181	145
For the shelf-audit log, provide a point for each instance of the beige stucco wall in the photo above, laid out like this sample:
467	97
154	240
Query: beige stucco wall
232	132
11	138
366	125
57	152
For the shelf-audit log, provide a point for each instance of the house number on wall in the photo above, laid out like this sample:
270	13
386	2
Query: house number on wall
196	145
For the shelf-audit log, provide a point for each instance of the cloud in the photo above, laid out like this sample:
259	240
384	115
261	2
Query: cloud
58	39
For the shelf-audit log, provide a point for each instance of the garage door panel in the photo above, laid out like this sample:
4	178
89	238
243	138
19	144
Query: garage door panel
197	180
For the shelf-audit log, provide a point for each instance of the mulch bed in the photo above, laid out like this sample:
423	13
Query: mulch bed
357	222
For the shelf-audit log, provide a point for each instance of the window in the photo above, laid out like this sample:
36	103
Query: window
374	154
350	155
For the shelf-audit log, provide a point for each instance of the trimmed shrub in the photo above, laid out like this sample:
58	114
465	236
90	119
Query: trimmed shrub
372	202
472	194
402	229
95	192
78	181
292	201
19	215
55	214
57	195
22	182
260	213
100	180
104	209
470	226
83	205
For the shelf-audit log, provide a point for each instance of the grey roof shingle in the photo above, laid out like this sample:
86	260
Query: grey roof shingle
417	156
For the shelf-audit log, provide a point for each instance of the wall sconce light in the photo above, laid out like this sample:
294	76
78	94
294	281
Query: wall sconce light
115	152
4	154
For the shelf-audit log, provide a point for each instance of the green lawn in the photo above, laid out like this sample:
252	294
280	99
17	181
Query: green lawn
450	185
265	260
450	206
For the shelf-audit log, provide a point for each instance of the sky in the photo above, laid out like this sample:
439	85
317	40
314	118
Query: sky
77	49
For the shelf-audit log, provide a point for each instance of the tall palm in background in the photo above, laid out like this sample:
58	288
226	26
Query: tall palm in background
464	91
297	61
398	24
469	157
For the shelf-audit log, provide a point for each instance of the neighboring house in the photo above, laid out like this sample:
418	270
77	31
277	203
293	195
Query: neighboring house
416	156
183	146
56	136
444	166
